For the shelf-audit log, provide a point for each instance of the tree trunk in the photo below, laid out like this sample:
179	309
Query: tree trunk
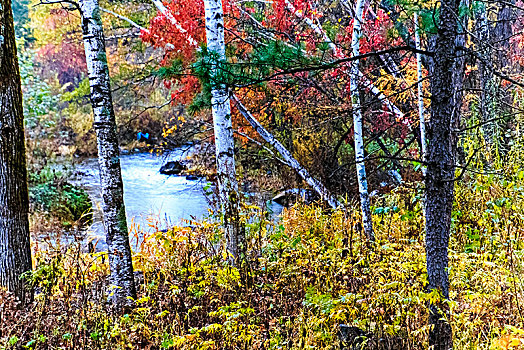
15	250
503	32
446	85
288	157
356	75
357	123
488	108
224	143
115	223
420	93
266	135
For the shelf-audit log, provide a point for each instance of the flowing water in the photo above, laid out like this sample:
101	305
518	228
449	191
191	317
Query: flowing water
148	195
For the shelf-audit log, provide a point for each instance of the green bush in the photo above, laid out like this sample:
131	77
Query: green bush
50	193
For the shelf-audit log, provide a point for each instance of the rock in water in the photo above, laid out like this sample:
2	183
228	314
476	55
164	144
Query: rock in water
172	168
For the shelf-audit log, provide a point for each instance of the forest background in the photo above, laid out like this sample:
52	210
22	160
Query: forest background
320	278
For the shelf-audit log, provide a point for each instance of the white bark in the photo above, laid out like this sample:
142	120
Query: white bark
115	224
420	92
339	54
224	143
288	157
356	75
268	137
357	123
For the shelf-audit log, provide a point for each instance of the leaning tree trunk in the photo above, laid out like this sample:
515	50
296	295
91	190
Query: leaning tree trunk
446	85
323	192
224	143
15	250
115	224
357	123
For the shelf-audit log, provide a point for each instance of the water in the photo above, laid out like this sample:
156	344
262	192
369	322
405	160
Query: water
148	195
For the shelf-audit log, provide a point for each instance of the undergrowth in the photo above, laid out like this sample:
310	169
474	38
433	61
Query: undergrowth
311	279
53	196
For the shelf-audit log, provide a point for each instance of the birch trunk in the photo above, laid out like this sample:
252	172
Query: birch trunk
357	124
288	157
356	75
15	250
263	132
224	143
115	224
420	93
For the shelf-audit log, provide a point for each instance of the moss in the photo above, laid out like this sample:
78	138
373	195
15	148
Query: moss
122	220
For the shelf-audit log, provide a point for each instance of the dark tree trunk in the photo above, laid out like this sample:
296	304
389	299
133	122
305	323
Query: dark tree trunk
115	223
446	85
15	250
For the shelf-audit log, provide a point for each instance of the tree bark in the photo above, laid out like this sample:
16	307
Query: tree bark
224	142
420	93
487	82
446	85
288	157
367	220
15	249
115	223
503	31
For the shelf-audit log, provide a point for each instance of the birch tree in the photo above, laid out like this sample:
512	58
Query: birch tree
115	223
317	186
15	250
287	156
367	220
356	75
420	91
224	143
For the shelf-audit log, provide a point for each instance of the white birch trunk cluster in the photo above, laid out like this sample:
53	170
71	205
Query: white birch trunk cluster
115	224
224	142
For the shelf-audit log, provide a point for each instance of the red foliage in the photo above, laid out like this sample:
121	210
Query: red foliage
70	67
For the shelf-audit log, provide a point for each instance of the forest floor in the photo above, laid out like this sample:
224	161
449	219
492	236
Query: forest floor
312	282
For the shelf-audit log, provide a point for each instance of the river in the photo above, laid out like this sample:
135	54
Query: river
150	197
